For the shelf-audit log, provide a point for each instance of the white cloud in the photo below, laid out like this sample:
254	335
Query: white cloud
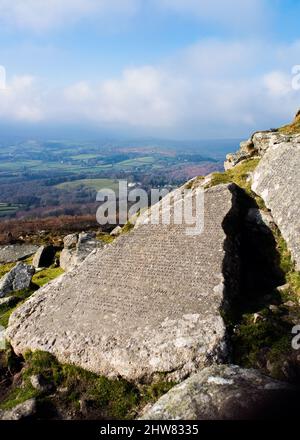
141	97
211	89
21	100
42	15
277	83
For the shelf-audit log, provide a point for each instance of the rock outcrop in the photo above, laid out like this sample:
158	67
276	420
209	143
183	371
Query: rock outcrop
77	248
277	178
18	278
16	252
148	303
225	392
277	181
258	145
44	256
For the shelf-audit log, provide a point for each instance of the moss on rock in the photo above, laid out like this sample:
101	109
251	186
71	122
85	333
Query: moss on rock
241	176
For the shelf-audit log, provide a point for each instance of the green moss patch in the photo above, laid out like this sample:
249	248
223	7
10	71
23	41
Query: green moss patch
238	175
193	183
45	276
105	238
5	268
107	398
257	342
6	311
18	396
127	228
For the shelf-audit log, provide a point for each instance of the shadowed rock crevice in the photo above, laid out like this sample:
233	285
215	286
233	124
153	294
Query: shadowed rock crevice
232	226
254	272
259	330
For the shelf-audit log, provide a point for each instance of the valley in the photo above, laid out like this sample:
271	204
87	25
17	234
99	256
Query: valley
40	179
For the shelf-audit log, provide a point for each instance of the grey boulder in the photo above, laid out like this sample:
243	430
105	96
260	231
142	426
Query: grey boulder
16	252
19	278
77	247
44	256
225	392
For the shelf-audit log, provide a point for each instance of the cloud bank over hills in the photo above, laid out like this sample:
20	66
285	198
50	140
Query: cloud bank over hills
222	83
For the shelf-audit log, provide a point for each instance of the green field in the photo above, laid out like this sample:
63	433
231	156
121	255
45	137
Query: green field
59	176
84	156
138	162
94	184
8	209
40	167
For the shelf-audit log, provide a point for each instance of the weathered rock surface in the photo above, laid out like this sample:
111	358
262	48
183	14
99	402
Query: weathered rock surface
16	252
22	411
44	256
258	145
277	181
77	247
224	392
149	302
18	278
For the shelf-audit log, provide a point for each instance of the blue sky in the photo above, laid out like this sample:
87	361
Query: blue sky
174	68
